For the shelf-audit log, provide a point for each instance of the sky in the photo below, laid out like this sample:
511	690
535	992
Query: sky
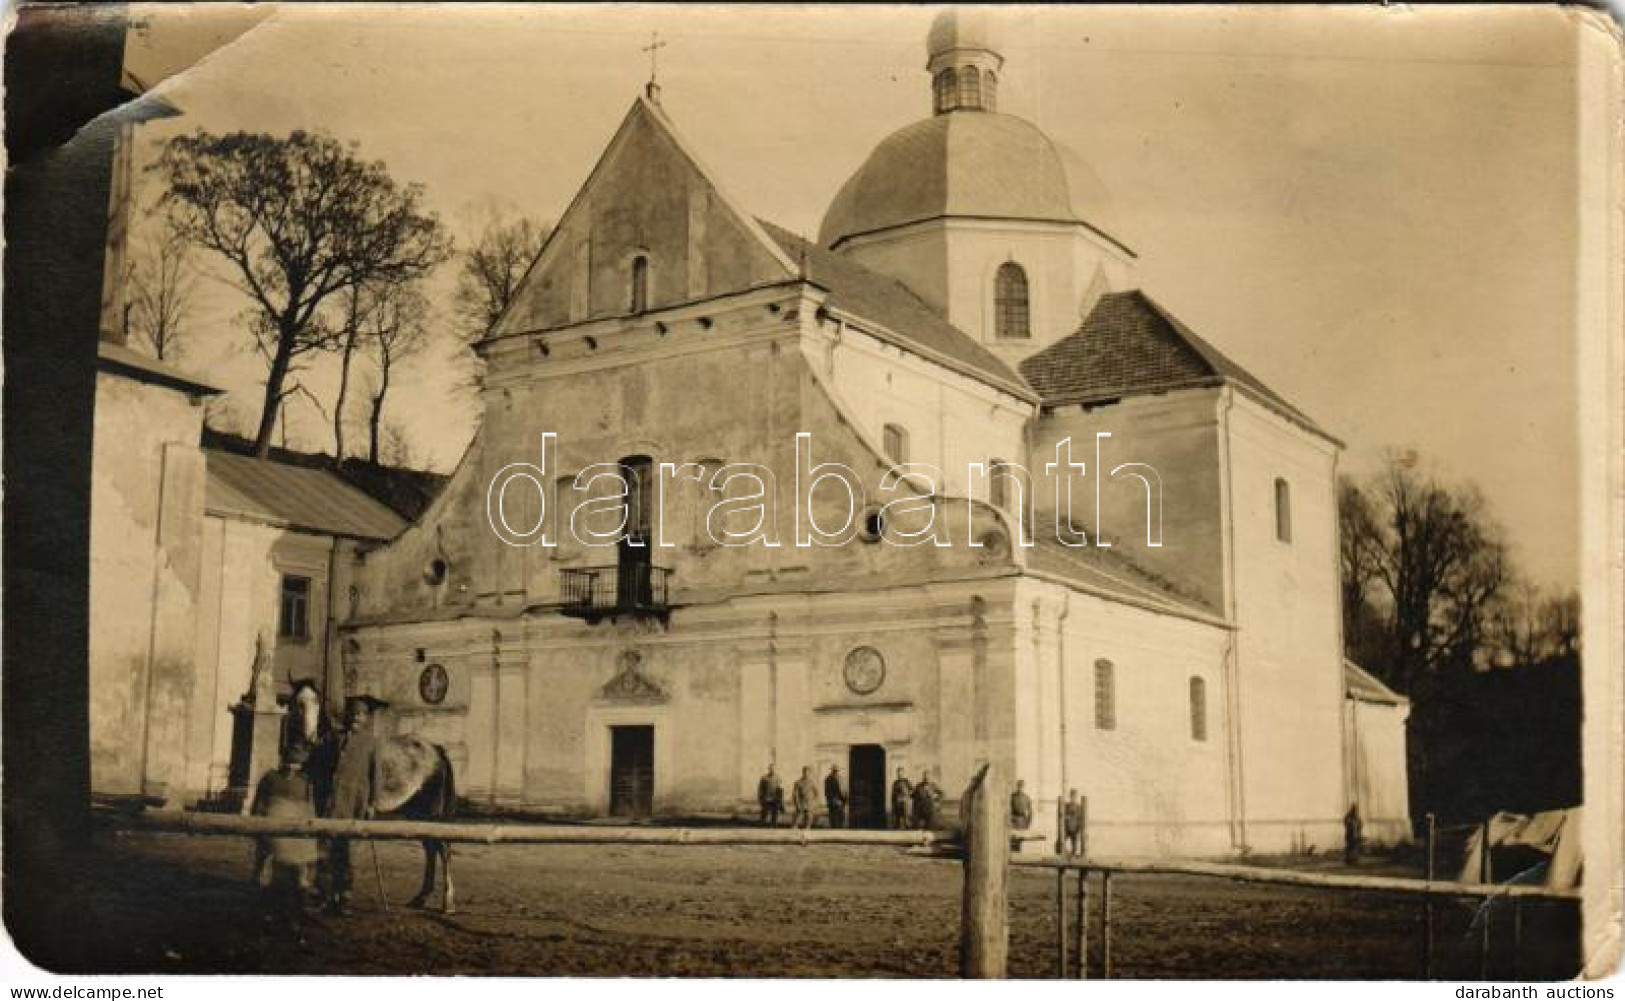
1371	209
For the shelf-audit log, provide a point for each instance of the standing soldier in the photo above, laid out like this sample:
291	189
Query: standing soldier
354	780
926	795
1072	824
804	799
1353	834
285	794
1021	807
770	797
835	797
902	790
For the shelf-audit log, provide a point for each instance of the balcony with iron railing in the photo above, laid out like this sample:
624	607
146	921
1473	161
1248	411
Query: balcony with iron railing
628	588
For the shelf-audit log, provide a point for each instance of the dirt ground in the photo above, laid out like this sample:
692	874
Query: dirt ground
184	904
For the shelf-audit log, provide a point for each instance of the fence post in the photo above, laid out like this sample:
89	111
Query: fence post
1083	924
1427	912
1485	872
1106	924
984	918
1060	924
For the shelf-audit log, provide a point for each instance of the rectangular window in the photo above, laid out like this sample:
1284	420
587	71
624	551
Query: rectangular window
1283	510
1105	695
1198	709
895	442
294	620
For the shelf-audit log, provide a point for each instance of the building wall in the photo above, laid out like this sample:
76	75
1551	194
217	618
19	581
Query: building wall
145	543
1375	752
951	264
1152	787
1289	673
243	563
1177	434
951	420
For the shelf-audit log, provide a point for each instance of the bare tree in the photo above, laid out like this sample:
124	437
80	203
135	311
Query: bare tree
490	271
160	284
394	330
299	219
1430	560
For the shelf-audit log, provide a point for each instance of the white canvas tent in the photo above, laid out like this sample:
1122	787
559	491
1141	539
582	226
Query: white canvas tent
1555	833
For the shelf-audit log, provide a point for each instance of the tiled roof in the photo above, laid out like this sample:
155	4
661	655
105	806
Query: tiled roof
313	500
1363	686
1108	571
1128	344
911	323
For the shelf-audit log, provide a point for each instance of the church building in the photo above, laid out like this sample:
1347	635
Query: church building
1151	618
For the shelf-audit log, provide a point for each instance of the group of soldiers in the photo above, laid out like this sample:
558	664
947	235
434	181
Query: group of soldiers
914	805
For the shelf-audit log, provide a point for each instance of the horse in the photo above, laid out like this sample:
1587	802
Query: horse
413	781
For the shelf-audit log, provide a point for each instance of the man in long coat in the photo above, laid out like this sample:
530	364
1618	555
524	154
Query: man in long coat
835	797
770	797
902	791
356	777
804	798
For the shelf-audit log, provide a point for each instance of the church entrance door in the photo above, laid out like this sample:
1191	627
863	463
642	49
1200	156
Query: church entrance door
631	771
867	791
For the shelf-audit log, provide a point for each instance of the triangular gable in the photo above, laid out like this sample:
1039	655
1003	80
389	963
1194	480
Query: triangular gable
647	196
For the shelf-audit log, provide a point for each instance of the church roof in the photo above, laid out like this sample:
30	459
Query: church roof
297	497
1108	572
976	164
905	317
1128	344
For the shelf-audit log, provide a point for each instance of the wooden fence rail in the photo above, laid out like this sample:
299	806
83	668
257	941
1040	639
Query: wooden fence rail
181	822
1289	877
1427	889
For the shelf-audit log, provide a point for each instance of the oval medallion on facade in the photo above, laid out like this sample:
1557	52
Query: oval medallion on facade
865	670
433	684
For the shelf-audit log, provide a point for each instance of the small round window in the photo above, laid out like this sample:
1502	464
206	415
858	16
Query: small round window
873	528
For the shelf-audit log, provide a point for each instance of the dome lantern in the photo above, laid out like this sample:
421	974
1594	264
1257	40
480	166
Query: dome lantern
964	61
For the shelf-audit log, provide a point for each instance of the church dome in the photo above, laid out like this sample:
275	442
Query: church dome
964	163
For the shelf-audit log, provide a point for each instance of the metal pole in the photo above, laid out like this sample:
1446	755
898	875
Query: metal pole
1484	876
1083	924
1427	911
1060	924
1083	825
1517	934
1106	925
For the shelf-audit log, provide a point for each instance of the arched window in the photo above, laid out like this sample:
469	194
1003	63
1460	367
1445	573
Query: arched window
1198	709
638	473
970	87
895	441
1010	314
943	90
708	498
564	503
640	283
1105	695
990	90
1283	510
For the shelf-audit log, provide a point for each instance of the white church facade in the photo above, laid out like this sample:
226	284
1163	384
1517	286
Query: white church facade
963	309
